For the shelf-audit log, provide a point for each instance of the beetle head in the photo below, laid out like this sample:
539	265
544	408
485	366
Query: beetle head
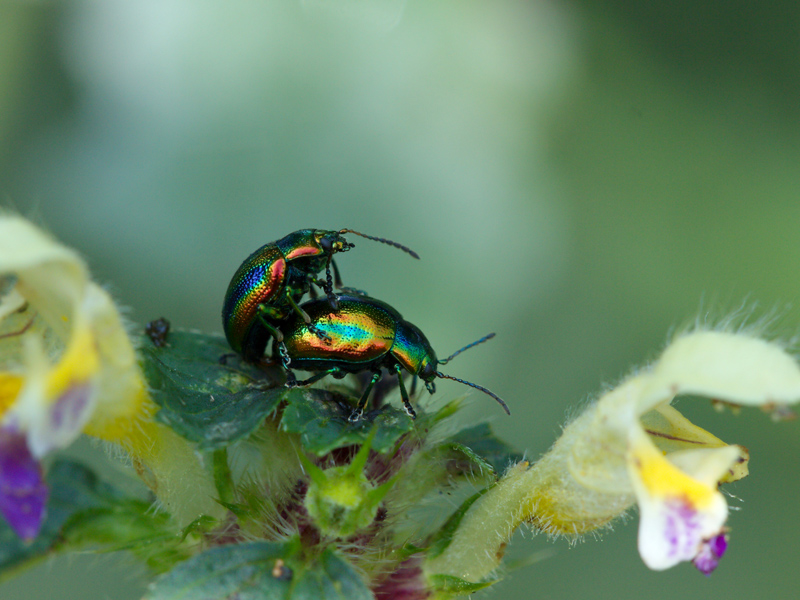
332	242
428	373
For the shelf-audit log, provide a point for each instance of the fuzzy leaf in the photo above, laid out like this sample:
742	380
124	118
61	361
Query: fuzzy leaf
450	584
74	491
206	394
482	441
463	461
442	538
320	418
330	578
244	571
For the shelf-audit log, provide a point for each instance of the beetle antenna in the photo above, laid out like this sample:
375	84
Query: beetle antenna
383	241
467	347
477	387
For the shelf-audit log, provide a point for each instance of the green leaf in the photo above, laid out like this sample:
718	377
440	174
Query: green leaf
85	512
250	571
330	578
482	442
128	526
74	490
205	393
260	571
472	460
320	417
442	538
450	584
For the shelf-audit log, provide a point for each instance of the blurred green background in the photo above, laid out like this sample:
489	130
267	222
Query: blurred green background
580	177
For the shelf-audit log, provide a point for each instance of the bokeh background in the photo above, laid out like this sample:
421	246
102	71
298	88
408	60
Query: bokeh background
581	177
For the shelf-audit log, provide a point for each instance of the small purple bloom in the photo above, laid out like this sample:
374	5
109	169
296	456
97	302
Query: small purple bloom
710	552
23	493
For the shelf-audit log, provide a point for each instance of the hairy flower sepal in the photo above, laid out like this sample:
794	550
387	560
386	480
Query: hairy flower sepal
631	447
342	500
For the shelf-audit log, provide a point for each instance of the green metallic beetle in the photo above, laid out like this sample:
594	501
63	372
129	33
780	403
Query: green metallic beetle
363	334
270	283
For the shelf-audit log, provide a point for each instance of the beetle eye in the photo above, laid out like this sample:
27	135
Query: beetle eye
326	244
427	373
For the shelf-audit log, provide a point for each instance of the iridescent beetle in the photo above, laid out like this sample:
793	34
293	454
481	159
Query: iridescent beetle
270	283
363	334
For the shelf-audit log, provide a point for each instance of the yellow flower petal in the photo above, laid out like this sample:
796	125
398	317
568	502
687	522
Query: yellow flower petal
10	385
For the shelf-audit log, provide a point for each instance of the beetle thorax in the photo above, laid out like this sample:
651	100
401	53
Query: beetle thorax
413	351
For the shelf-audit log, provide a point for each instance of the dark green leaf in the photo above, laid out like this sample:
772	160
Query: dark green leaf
330	578
483	443
244	571
320	418
206	394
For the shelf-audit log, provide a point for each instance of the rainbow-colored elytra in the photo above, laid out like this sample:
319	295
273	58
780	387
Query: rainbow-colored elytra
258	281
267	283
362	334
358	332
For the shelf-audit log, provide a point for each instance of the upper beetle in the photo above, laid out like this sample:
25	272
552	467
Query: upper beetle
270	283
364	334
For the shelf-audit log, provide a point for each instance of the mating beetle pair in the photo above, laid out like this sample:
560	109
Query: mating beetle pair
270	283
332	336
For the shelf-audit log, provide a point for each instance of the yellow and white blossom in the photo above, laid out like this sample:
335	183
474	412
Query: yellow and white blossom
67	366
631	446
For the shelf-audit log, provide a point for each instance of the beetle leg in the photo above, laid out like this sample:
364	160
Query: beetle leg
312	291
223	360
353	291
312	328
404	393
262	314
291	378
414	385
297	309
320	334
314	378
337	278
332	299
356	414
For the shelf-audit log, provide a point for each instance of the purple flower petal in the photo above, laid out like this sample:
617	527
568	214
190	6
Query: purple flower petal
23	493
711	551
681	528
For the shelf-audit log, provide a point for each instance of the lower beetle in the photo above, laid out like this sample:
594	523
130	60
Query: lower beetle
364	334
270	283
